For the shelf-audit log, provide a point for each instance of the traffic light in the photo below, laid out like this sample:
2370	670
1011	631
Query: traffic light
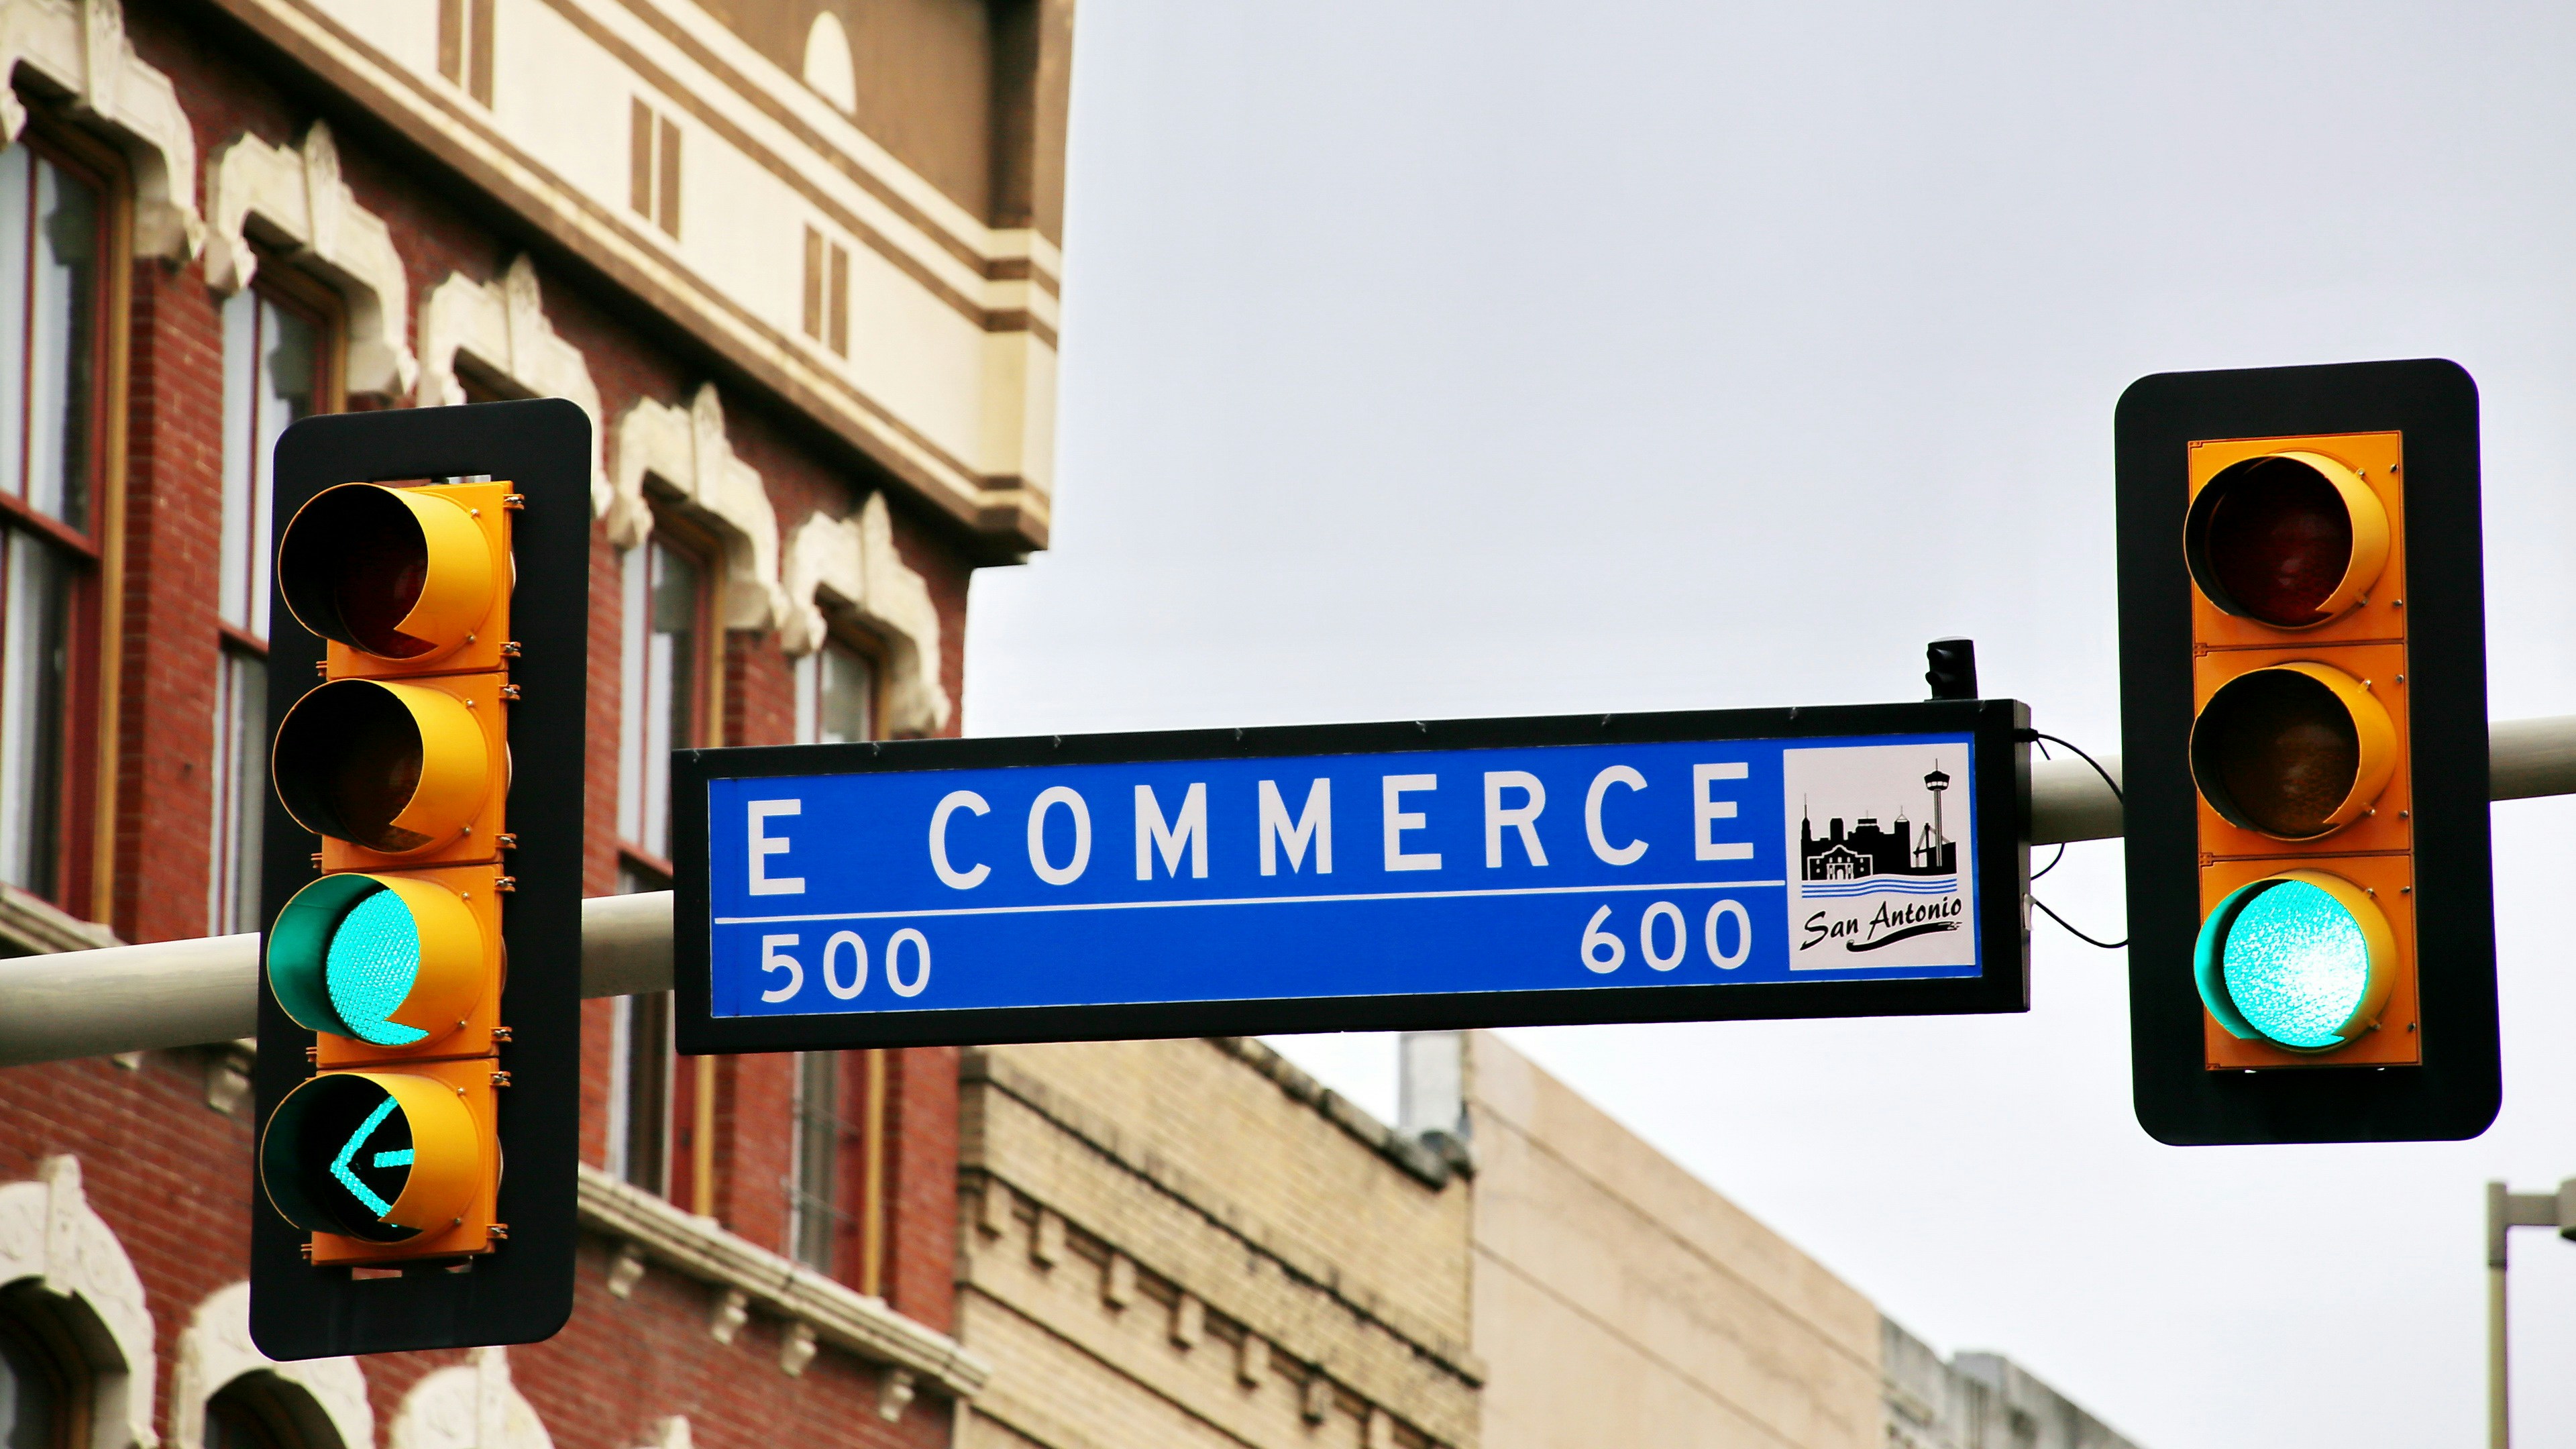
437	763
2303	704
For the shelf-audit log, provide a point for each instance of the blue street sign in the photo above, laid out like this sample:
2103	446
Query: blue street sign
1755	863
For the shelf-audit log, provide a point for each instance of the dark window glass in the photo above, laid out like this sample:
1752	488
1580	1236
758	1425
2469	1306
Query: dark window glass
33	1411
248	1415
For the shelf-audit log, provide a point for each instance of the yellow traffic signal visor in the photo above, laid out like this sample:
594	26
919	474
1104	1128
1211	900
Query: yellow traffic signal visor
2294	750
396	572
387	960
382	1156
2303	960
2290	539
397	768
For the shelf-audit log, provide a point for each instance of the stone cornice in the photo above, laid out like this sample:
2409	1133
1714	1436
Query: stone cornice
697	1248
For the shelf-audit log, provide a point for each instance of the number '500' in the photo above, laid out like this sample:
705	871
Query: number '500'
1663	925
845	952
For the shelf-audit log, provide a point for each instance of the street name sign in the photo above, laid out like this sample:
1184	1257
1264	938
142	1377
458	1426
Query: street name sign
1838	861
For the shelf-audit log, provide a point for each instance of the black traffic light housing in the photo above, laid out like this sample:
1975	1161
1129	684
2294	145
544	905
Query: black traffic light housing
1951	671
2422	851
517	1286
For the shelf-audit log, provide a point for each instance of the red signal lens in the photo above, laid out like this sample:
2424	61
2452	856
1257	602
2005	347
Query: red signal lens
399	573
353	564
2272	539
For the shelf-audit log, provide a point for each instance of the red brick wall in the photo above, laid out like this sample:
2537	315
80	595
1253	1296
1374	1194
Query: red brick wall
173	1177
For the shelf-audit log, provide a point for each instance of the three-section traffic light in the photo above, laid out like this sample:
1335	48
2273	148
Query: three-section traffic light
437	764
2303	698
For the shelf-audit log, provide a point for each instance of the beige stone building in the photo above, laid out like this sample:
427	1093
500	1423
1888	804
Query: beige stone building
1620	1301
1190	1244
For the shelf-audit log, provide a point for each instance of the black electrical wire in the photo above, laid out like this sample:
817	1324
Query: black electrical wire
2088	759
2078	935
2052	861
2043	740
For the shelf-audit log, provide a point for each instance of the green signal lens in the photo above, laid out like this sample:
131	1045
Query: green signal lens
2294	960
2296	965
369	968
337	1155
388	960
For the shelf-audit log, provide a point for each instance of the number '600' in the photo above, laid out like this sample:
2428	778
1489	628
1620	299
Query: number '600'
1663	938
845	964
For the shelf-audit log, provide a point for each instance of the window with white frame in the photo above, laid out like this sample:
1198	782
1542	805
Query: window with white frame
836	696
664	666
813	1193
275	371
667	663
54	250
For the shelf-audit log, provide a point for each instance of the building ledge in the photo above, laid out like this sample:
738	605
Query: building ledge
830	1313
33	926
1430	1159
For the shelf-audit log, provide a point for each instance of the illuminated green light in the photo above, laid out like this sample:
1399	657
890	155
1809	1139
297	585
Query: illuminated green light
337	1155
369	968
349	1149
2286	961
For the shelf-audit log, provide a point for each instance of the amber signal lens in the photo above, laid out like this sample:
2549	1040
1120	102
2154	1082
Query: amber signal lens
2294	751
2288	539
396	768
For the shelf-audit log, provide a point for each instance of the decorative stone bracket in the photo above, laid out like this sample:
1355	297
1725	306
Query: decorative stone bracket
686	448
79	46
294	198
502	328
217	1349
50	1233
852	563
471	1405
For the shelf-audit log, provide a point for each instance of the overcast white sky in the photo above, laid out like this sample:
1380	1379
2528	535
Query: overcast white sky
1450	359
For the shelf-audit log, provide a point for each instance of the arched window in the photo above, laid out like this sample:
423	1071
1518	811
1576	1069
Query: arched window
43	1398
252	1413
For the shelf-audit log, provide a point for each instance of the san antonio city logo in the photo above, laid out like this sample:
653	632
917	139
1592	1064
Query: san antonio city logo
1913	879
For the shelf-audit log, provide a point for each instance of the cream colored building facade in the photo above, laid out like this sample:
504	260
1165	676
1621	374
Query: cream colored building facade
856	205
1621	1301
1190	1245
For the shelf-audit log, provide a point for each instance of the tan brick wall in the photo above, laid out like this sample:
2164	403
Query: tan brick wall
1218	1175
1619	1300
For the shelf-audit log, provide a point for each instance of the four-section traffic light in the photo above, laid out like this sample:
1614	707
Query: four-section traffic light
399	762
420	1028
2304	707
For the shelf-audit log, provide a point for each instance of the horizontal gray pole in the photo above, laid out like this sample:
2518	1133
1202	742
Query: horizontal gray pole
183	993
2525	757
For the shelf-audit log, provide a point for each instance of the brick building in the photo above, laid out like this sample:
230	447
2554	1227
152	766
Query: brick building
797	260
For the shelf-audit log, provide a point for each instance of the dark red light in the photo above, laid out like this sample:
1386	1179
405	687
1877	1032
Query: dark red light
2270	539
